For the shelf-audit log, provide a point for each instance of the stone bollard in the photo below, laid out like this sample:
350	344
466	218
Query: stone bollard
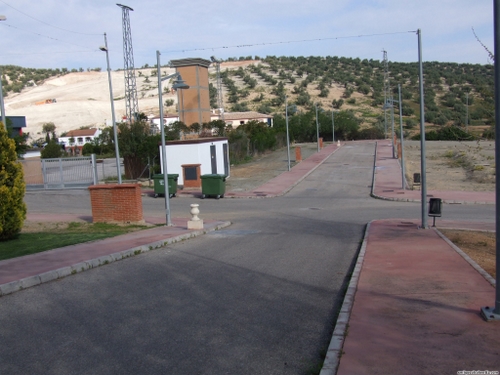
298	154
338	143
320	143
195	222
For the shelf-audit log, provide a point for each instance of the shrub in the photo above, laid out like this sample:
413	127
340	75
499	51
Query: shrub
88	149
52	150
12	188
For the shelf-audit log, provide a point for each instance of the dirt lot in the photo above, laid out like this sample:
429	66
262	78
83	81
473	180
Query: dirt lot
454	166
262	168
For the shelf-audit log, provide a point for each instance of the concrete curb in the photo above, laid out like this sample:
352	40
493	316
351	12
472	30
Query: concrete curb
334	353
469	260
27	282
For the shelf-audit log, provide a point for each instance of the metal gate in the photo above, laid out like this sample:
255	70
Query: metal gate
60	173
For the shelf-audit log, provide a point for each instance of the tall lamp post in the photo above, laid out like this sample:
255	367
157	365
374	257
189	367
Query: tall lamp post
113	118
317	125
179	84
287	133
423	175
2	108
403	173
333	124
492	313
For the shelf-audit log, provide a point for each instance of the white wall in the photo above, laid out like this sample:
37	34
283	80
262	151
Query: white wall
194	153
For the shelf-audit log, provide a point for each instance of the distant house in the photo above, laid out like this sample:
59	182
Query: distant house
234	119
16	123
74	140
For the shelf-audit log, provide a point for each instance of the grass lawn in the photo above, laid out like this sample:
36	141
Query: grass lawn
59	236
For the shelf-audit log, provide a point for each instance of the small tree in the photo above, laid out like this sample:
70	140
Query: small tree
47	129
52	150
12	189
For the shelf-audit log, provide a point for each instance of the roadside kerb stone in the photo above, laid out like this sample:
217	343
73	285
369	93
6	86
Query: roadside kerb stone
332	358
17	285
469	260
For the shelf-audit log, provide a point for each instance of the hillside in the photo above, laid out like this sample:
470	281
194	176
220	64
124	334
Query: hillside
82	98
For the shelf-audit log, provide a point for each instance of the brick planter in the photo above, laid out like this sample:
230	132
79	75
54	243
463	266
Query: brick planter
115	203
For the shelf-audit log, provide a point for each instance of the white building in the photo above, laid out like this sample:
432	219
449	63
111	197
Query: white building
234	119
74	140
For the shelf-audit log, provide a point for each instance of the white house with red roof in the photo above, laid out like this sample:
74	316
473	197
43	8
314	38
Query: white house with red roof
74	140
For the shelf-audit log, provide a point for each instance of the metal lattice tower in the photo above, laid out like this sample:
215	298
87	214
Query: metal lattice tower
386	89
131	101
220	103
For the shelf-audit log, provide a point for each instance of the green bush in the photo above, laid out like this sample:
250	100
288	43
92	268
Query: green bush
12	189
52	150
88	149
446	133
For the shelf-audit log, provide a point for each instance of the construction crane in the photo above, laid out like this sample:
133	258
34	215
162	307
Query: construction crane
219	87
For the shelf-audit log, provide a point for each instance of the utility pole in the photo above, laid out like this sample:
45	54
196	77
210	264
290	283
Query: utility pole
386	89
131	101
467	112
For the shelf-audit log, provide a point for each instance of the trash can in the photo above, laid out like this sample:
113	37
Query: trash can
213	185
159	184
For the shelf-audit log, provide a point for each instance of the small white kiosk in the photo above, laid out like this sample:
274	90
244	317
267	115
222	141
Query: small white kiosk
192	158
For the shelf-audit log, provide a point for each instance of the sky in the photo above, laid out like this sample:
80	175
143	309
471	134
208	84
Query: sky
68	34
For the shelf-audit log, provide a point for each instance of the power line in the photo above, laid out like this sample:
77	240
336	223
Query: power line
41	35
289	41
45	23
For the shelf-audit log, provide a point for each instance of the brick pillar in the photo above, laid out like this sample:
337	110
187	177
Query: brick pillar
320	143
115	203
298	154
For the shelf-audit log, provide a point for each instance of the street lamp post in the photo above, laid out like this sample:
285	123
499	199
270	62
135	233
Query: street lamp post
287	133
392	129
317	125
113	118
179	85
2	108
403	173
333	125
423	175
492	313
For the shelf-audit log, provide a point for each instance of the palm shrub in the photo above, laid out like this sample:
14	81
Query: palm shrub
12	188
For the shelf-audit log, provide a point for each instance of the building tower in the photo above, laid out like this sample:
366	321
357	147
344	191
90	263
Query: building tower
220	103
194	103
131	102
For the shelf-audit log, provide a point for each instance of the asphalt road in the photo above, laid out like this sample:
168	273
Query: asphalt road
259	297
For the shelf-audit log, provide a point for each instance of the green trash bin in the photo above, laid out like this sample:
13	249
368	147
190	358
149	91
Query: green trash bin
159	185
213	185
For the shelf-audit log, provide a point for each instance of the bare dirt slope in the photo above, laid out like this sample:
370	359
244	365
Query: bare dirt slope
82	99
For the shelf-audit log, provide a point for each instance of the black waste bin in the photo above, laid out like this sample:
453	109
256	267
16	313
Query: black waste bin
159	184
213	185
435	209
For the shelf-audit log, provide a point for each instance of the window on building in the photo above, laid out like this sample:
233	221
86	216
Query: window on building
88	139
80	140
